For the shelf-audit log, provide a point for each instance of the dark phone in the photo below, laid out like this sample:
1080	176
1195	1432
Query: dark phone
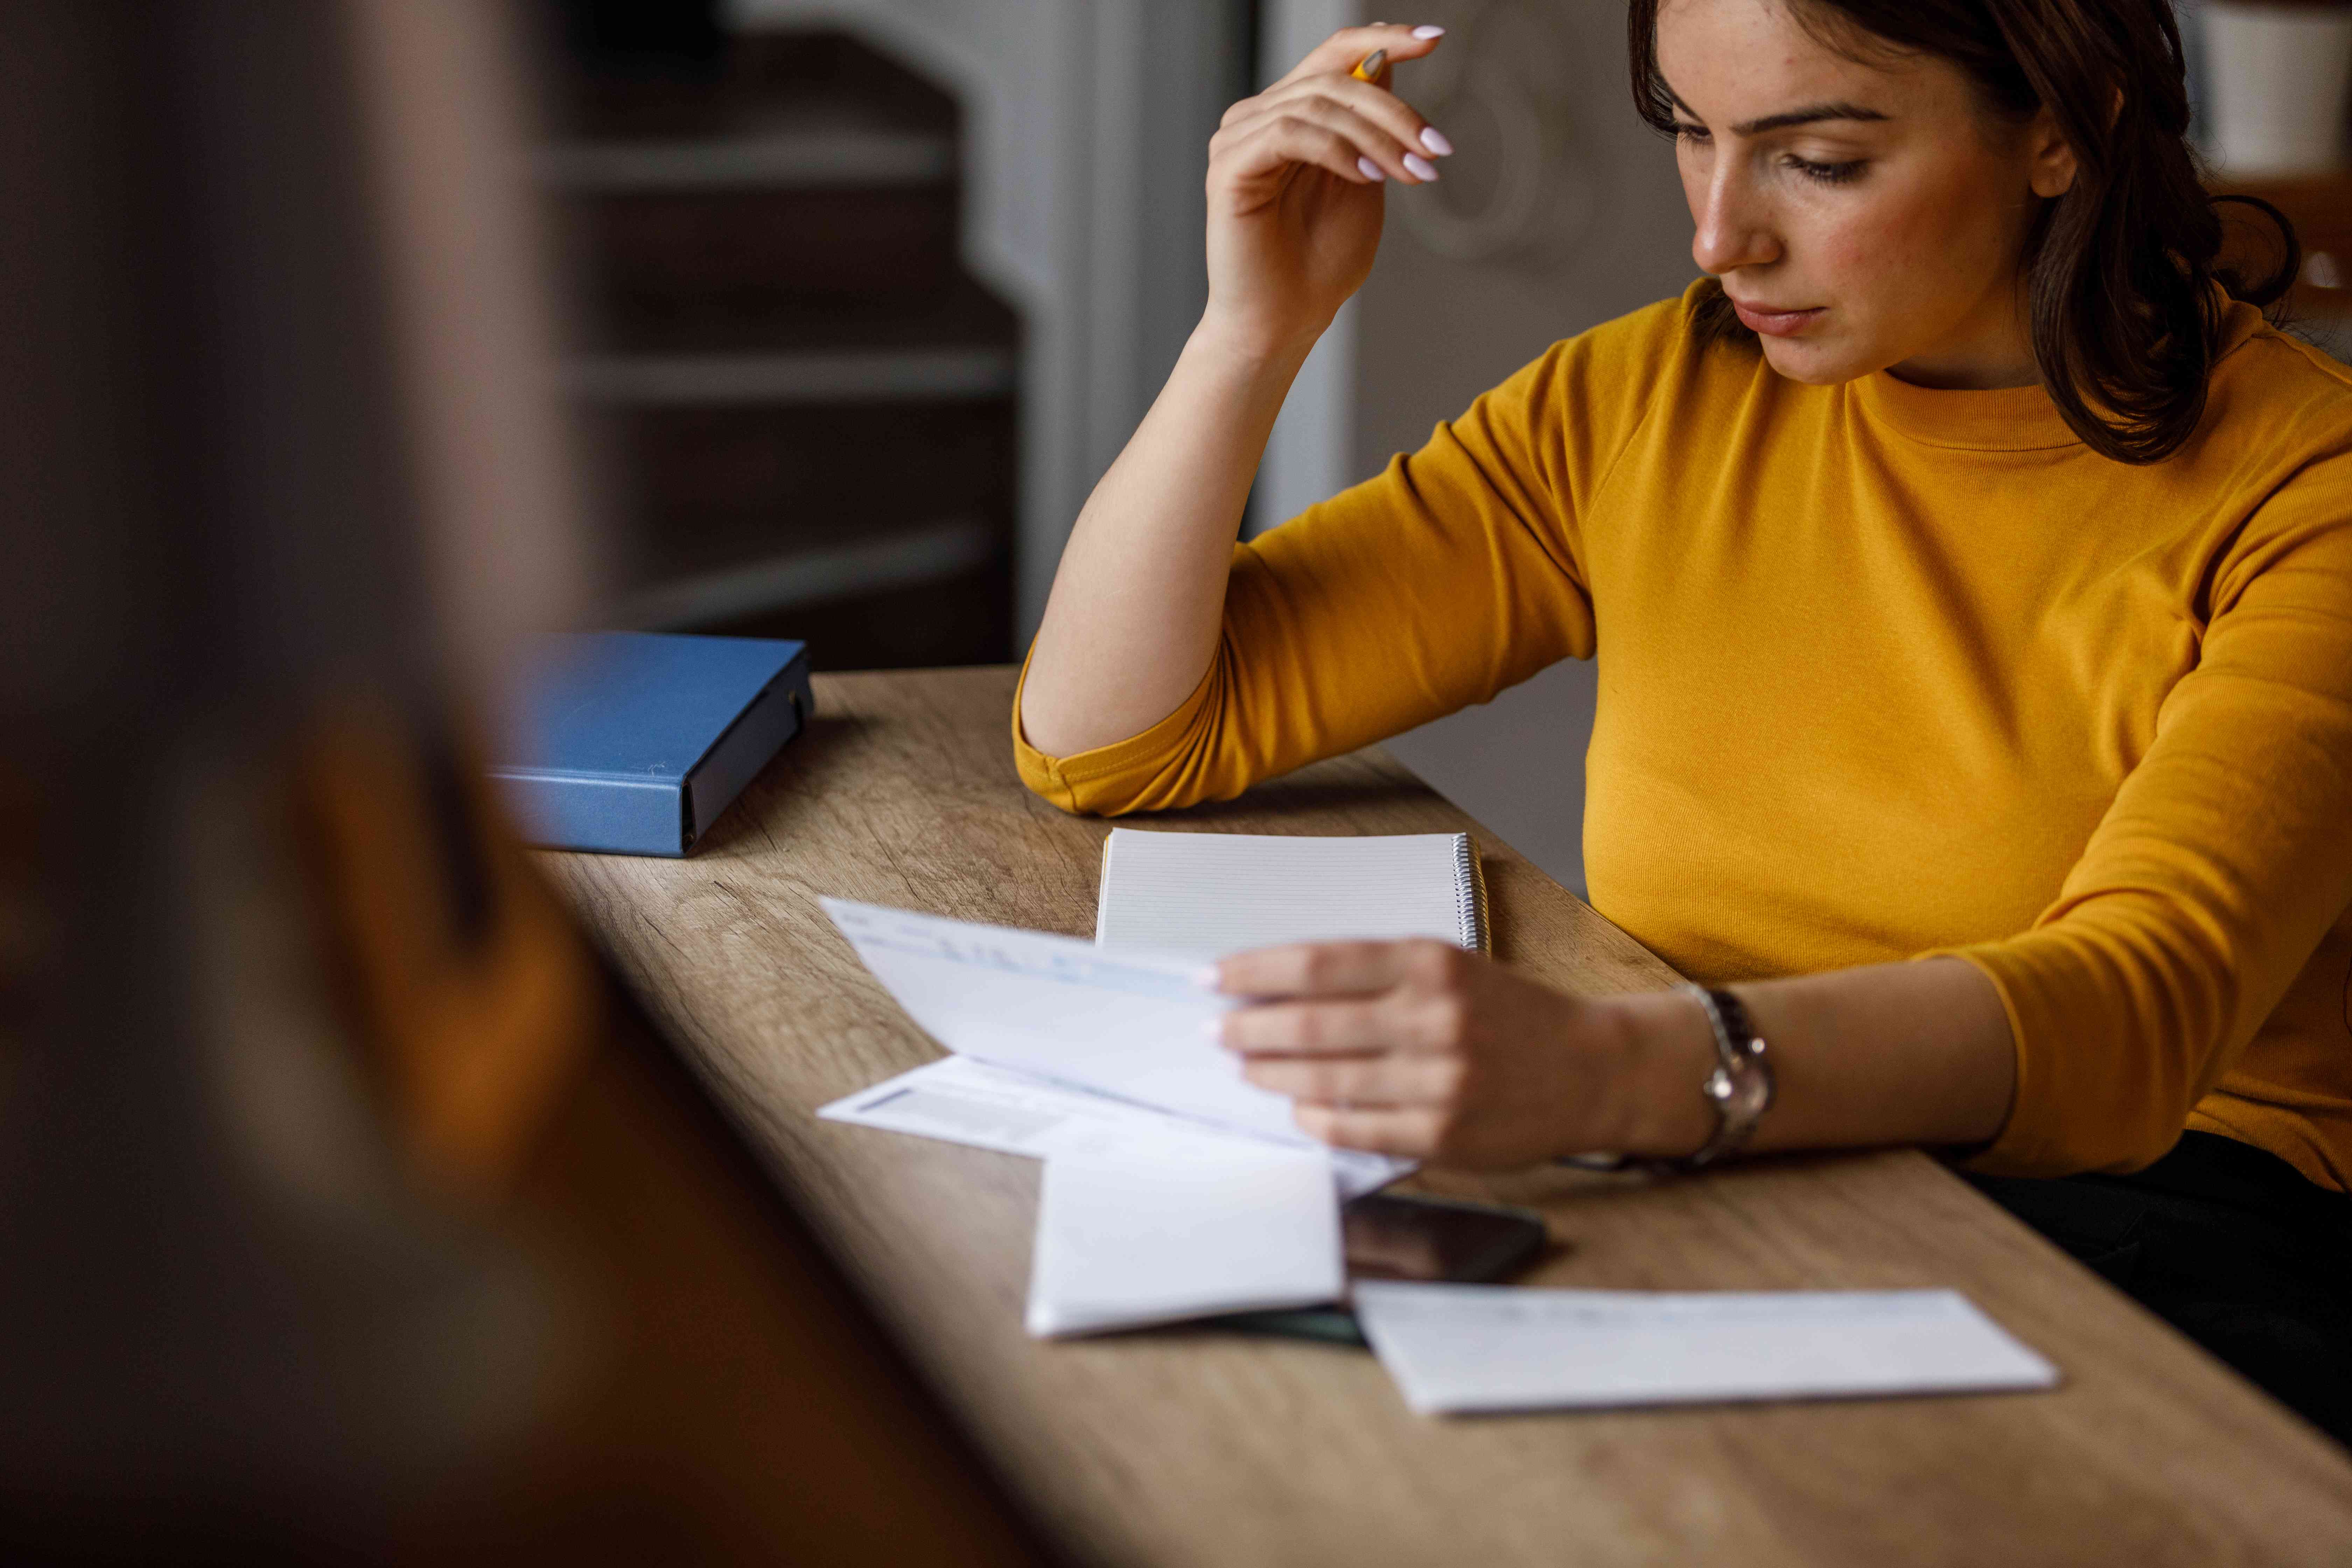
1395	1237
1391	1235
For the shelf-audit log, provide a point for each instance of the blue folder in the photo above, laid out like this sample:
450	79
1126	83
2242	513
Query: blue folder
633	742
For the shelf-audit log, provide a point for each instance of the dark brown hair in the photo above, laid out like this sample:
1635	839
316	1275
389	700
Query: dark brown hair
2119	270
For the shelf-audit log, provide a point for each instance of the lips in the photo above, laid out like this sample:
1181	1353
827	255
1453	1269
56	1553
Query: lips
1776	323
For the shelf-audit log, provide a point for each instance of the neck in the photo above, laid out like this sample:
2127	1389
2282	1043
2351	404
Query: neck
1956	374
1991	349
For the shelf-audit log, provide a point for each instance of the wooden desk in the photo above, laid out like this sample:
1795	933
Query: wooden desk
1205	1448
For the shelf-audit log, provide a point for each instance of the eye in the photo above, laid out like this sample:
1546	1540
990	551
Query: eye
1686	131
1827	173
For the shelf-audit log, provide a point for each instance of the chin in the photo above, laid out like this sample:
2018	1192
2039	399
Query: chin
1814	363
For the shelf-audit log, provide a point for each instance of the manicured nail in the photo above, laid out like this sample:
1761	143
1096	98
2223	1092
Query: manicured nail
1371	170
1420	167
1435	140
1208	977
1426	31
1213	1028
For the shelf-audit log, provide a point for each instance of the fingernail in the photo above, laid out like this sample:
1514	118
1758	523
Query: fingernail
1208	977
1420	167
1426	31
1435	140
1371	170
1213	1028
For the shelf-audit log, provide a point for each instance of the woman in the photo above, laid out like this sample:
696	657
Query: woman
1972	575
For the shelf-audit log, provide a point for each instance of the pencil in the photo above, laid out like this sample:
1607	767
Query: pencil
1368	69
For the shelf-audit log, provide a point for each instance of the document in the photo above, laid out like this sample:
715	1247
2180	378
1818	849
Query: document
1131	1025
1172	1188
960	1100
1460	1349
1154	1234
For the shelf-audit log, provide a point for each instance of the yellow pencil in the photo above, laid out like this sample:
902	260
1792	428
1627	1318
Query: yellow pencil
1368	69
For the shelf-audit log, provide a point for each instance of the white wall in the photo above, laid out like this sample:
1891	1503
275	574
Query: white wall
1311	453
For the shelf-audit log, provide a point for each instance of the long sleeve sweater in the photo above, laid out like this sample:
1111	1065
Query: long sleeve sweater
1884	672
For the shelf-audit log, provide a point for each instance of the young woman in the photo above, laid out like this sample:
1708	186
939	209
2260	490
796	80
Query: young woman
1970	570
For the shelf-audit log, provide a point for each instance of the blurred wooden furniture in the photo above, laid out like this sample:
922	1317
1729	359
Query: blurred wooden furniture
2320	207
807	406
1205	1447
719	1396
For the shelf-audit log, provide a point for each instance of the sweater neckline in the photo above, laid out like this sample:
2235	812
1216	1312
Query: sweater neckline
1997	419
1993	419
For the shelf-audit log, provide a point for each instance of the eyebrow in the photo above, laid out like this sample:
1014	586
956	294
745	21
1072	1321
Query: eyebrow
1811	114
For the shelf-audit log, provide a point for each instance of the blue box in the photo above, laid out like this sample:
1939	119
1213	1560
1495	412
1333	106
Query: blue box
633	742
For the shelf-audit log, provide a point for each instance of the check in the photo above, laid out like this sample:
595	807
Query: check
1131	1025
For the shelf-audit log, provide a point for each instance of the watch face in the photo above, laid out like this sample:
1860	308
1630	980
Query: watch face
1750	1094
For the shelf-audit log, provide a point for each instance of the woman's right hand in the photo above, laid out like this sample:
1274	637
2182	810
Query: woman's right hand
1295	178
1293	220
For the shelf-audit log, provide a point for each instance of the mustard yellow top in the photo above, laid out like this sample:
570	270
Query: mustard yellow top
1884	671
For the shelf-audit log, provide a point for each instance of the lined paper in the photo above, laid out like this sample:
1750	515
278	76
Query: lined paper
1208	894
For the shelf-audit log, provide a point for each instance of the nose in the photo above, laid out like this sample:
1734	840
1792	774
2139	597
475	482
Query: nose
1734	225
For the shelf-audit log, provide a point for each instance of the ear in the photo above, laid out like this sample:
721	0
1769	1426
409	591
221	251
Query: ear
2050	157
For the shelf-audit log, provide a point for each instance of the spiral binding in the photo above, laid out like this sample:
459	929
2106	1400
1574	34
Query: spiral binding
1470	894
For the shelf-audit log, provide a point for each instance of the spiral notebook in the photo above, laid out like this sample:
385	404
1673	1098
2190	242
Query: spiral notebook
1207	894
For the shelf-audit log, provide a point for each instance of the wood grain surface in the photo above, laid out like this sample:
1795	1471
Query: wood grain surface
1207	1447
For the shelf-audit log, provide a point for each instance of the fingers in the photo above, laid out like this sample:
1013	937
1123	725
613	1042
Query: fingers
1342	968
1266	146
1380	126
1340	1029
1410	1134
1293	1028
1345	49
1392	1082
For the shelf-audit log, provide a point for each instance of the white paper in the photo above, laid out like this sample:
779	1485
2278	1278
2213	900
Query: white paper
960	1100
1208	894
1155	1233
1469	1348
1132	1026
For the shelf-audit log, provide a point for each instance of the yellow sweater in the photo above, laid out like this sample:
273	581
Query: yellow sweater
1884	671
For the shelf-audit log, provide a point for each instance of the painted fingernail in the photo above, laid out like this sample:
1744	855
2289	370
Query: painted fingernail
1372	170
1213	1028
1435	140
1208	977
1427	31
1420	167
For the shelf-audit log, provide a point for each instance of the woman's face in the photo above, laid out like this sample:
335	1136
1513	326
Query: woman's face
1864	214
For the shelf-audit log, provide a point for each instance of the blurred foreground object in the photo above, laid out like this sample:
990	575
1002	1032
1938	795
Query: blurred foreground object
348	1214
236	1307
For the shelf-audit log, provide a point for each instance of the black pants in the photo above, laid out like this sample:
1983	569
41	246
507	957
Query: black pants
2231	1246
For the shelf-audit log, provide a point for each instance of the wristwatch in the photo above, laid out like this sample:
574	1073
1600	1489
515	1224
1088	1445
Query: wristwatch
1740	1087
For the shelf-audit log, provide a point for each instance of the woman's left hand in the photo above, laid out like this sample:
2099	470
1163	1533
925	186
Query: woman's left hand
1421	1049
